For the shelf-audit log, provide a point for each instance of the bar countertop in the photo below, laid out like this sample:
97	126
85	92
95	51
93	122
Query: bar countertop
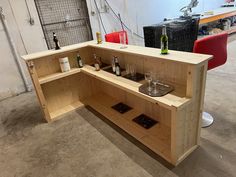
178	56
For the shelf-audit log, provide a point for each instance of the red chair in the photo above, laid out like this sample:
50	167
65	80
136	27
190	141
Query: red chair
115	37
215	45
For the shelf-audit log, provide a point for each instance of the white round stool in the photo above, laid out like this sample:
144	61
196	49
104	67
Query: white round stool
207	119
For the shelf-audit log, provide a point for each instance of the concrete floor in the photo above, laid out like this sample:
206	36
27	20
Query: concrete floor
83	145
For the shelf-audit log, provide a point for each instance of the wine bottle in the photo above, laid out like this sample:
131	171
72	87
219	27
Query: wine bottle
118	70
79	60
164	41
57	45
96	64
113	65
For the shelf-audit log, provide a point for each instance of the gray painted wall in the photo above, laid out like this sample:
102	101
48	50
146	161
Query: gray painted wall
27	38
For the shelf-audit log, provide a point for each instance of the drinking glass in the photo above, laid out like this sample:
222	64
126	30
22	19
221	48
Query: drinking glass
148	77
155	81
132	70
122	36
127	68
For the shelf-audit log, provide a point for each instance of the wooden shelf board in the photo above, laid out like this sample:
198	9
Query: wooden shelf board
52	52
156	138
55	114
219	13
132	87
176	56
229	31
55	76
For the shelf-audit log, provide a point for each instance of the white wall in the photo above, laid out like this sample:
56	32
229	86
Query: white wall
27	38
138	13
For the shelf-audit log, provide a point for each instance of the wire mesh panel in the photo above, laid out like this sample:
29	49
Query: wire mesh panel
69	19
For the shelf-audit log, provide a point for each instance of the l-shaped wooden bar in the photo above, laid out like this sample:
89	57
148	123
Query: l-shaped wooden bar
179	113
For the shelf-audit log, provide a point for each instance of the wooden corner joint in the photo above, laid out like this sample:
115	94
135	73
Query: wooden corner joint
174	108
30	65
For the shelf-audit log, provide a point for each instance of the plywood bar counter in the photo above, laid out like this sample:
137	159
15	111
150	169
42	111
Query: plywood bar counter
179	112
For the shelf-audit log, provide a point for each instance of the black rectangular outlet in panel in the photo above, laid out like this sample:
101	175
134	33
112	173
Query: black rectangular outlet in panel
145	121
121	108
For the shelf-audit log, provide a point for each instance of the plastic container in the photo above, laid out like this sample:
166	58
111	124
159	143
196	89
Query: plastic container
181	32
64	64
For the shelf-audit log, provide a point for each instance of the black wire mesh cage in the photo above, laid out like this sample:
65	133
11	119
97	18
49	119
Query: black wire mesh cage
69	19
182	32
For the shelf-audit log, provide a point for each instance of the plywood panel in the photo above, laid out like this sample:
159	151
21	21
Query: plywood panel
39	92
167	70
50	65
156	138
189	118
60	93
178	113
153	110
132	87
66	91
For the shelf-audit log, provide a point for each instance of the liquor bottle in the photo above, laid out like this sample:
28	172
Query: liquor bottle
118	70
96	64
113	65
99	37
79	60
57	45
164	41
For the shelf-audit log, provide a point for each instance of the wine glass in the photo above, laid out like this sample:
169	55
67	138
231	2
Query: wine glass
155	81
148	77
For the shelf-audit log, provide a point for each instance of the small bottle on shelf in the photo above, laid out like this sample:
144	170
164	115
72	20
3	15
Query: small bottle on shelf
118	69
79	60
164	41
113	65
57	45
96	63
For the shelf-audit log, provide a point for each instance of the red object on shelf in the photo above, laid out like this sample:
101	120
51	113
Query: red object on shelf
115	37
215	45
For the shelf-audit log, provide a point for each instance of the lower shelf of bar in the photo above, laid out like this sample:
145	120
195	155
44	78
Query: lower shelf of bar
55	114
157	138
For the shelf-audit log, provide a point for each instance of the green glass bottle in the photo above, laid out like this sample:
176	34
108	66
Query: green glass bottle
164	41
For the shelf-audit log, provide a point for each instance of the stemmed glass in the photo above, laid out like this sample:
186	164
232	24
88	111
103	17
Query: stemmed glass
155	81
148	77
